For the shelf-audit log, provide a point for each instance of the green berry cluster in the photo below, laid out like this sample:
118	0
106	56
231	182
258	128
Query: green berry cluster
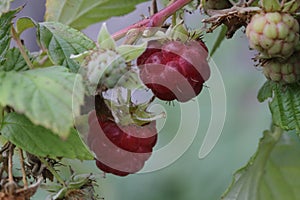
275	35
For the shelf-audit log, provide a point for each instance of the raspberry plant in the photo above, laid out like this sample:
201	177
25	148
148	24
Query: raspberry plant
45	111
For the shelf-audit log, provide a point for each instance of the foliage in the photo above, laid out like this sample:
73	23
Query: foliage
43	107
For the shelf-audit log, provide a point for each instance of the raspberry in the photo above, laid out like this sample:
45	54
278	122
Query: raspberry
287	71
274	34
104	67
174	70
120	150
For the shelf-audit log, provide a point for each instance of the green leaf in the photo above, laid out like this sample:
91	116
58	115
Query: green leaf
220	39
5	34
4	6
291	6
266	91
271	5
80	14
273	173
105	40
285	106
47	96
42	142
131	52
14	61
41	60
131	80
24	23
61	42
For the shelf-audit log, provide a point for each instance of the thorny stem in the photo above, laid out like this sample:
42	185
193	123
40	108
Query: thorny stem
21	48
23	168
53	172
155	20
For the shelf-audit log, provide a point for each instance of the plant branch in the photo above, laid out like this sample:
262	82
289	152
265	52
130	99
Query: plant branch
10	163
53	172
155	20
10	186
23	168
21	48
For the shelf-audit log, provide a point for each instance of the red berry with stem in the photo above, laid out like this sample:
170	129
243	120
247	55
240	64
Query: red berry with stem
175	71
120	150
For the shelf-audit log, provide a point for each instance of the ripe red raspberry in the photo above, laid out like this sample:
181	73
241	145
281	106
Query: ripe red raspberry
174	70
120	150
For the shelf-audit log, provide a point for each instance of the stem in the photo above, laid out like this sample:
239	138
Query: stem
174	17
276	132
53	172
159	18
2	112
10	163
23	168
21	48
155	20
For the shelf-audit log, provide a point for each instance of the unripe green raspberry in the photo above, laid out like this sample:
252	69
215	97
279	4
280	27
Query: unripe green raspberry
287	71
104	67
273	34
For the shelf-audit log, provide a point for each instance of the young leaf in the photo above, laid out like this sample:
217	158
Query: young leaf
105	40
271	5
266	91
61	41
82	13
131	52
24	23
131	80
40	141
273	173
5	35
285	106
14	61
220	39
4	6
48	96
291	6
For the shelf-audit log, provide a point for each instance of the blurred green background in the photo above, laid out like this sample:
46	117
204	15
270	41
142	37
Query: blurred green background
189	178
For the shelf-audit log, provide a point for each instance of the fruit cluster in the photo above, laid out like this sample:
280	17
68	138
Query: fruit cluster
121	133
174	69
276	35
